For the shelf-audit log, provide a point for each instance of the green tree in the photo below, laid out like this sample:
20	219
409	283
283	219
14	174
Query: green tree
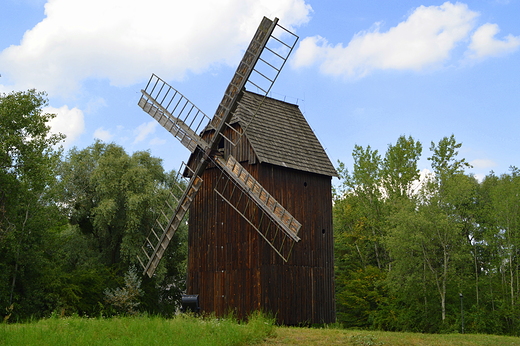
126	299
444	160
505	222
114	199
405	250
362	201
29	218
399	167
437	227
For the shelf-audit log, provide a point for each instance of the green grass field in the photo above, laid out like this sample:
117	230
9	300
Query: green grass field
323	337
186	330
125	331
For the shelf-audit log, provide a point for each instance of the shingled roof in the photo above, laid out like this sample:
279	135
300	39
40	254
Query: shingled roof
280	135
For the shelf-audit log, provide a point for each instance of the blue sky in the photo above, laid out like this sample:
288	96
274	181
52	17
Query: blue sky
363	72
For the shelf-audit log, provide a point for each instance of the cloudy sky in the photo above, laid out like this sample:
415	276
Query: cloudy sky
363	72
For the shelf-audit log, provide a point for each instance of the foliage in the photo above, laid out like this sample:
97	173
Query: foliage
126	299
109	198
29	215
112	200
430	240
112	197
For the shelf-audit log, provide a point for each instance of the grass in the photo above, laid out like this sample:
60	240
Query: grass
126	331
332	336
188	330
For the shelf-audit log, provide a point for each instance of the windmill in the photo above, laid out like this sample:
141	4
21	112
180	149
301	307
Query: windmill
236	187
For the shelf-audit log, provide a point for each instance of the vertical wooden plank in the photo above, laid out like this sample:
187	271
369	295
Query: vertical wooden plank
226	256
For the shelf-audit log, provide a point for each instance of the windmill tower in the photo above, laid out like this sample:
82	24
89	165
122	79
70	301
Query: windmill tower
246	251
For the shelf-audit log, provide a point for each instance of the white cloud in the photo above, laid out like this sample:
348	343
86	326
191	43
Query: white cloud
94	104
70	122
310	50
125	40
144	130
483	163
484	44
157	141
103	134
425	39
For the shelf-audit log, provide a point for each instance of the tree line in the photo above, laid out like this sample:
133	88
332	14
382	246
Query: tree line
411	253
431	253
72	223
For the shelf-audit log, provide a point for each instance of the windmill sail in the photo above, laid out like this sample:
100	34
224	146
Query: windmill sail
174	112
259	67
168	225
243	193
267	202
258	70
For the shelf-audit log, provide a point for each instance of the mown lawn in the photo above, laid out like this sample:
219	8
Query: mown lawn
322	337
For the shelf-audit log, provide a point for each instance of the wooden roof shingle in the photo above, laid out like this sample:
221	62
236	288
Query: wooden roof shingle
280	135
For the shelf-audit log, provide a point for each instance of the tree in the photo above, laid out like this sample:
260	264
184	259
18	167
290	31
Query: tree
444	159
506	201
437	226
29	216
406	249
363	203
399	167
126	299
114	199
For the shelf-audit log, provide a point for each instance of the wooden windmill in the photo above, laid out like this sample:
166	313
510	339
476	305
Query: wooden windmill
234	216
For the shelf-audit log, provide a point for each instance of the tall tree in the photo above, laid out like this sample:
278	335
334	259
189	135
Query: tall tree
444	159
363	196
358	220
399	167
506	201
434	229
114	199
446	235
27	213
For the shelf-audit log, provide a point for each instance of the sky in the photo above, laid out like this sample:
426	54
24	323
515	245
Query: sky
363	72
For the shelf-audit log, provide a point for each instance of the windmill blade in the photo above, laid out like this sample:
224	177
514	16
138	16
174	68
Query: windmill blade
243	193
259	70
181	118
154	253
256	68
174	112
264	200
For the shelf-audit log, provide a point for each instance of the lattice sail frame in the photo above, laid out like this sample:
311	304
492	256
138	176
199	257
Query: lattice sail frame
259	68
243	193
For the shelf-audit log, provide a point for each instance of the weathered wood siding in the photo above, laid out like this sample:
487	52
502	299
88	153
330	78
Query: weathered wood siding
233	269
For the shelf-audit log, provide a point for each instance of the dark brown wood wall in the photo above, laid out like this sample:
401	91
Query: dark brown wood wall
233	269
305	284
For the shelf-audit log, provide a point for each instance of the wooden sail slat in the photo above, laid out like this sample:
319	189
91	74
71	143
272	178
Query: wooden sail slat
274	209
